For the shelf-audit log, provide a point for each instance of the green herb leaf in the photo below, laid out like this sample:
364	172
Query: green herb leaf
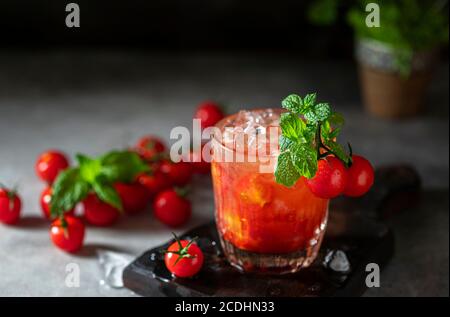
304	159
291	126
319	112
292	103
309	101
122	166
334	133
106	192
306	140
68	189
328	132
89	168
285	172
336	119
338	150
284	143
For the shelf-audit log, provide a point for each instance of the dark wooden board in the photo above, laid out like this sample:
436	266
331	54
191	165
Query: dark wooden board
353	228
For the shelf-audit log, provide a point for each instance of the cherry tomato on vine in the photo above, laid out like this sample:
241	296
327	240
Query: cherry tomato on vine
149	147
49	164
154	183
67	233
330	179
179	174
171	208
360	177
209	114
10	206
99	213
45	200
134	197
184	258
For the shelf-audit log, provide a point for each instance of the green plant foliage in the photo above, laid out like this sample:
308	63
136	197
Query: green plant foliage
406	26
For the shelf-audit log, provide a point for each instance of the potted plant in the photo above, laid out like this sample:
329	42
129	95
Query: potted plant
397	58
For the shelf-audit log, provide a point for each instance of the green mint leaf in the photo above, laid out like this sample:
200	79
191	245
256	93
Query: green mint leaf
292	103
304	159
319	112
310	132
334	133
304	139
285	172
291	126
106	192
310	100
328	132
338	150
284	143
89	168
325	129
68	189
122	166
336	119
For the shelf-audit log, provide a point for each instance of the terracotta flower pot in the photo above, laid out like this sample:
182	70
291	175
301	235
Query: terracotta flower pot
386	91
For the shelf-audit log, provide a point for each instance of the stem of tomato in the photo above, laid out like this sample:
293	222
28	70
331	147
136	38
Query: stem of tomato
64	226
328	151
320	144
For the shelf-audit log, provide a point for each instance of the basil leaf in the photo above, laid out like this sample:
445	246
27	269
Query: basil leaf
89	168
122	166
106	192
68	189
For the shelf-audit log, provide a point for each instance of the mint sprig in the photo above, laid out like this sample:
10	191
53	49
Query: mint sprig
97	175
309	131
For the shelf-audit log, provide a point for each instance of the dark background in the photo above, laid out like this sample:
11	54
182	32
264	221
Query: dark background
220	25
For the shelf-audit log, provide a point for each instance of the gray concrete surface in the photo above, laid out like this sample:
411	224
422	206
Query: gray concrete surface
91	102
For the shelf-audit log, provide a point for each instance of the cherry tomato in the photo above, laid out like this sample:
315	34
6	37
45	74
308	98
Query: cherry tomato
10	206
46	197
49	164
149	147
184	258
67	233
134	197
360	177
99	213
179	173
198	162
209	114
154	183
171	208
330	178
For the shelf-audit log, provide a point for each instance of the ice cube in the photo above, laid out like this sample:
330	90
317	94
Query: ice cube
337	261
112	265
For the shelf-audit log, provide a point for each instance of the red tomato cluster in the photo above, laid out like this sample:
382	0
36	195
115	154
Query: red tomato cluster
160	186
170	204
333	179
